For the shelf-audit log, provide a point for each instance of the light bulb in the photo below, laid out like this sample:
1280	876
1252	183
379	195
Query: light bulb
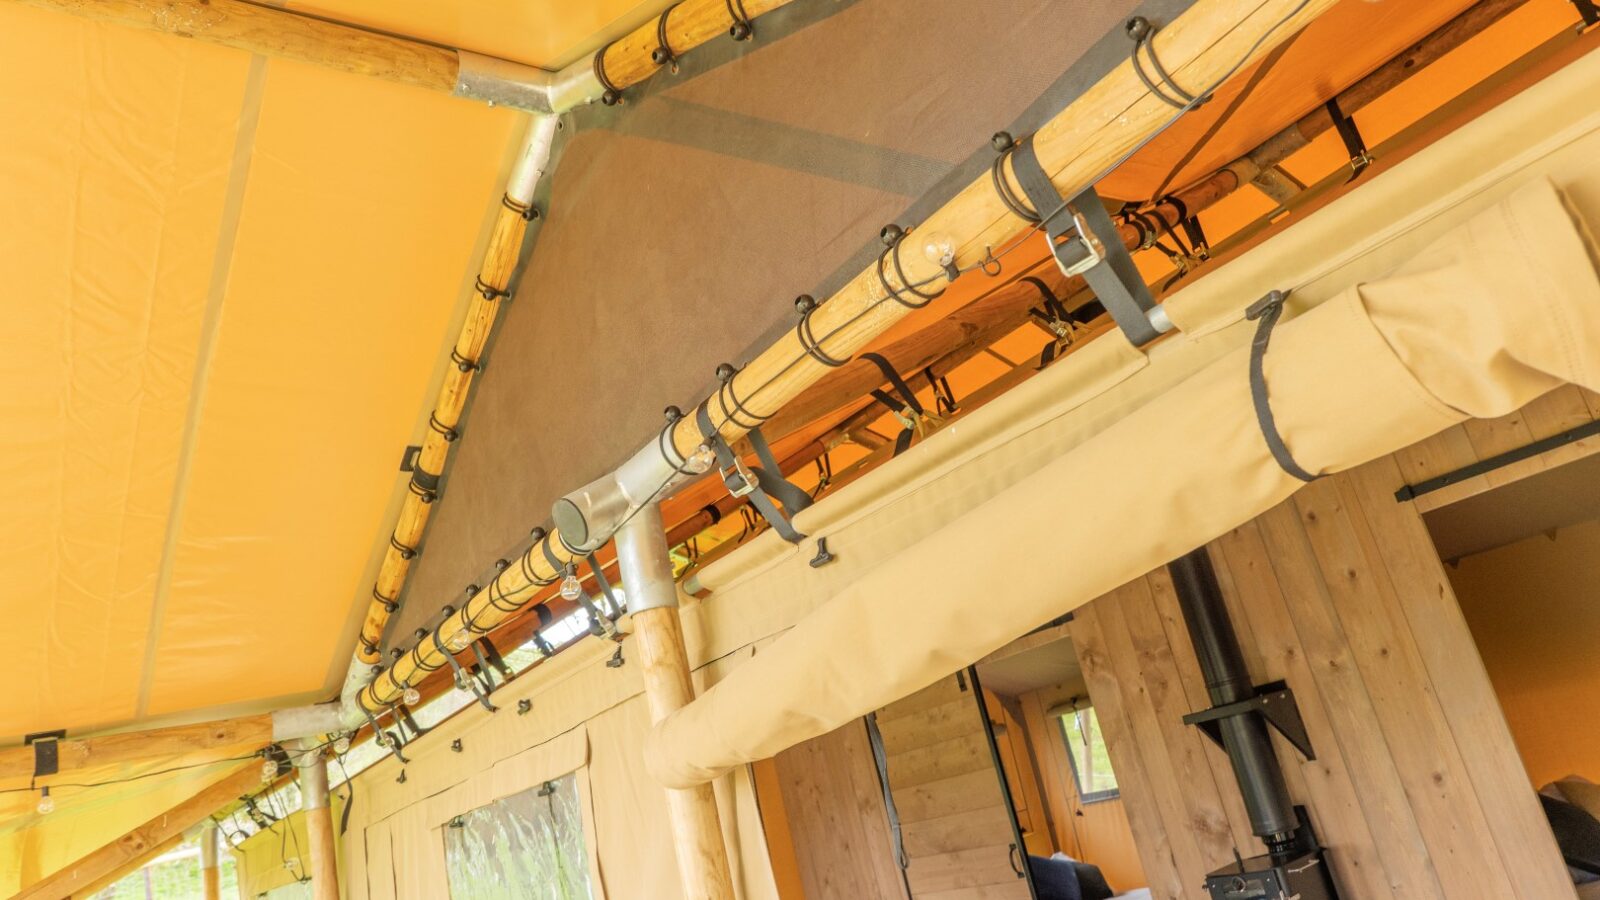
939	249
47	803
459	641
570	588
342	745
411	697
701	461
269	770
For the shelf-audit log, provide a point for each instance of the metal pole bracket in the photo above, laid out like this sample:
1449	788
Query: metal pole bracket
1274	702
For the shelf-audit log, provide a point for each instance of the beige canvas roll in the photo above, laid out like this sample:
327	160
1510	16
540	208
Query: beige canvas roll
1496	312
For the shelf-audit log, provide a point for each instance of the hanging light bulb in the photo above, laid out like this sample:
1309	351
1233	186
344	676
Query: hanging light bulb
701	460
269	770
411	697
342	745
571	589
939	249
47	803
458	641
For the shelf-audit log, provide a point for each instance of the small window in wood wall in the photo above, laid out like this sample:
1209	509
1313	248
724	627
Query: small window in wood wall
1087	754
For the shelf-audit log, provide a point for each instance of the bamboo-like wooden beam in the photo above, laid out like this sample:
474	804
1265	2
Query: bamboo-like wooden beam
138	746
998	313
282	34
278	34
138	843
627	62
1209	41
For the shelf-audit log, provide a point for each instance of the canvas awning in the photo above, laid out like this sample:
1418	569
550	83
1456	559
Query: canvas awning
1111	465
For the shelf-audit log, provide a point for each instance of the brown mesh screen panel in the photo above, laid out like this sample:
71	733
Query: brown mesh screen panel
682	224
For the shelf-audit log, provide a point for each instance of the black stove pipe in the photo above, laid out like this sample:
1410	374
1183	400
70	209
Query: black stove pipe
1244	737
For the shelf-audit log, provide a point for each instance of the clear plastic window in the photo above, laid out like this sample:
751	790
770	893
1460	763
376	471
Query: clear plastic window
529	846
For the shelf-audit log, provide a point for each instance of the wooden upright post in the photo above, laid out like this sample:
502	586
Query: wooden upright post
658	638
210	877
322	865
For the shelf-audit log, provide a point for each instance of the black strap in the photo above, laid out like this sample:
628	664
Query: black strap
880	759
1589	11
944	399
662	55
741	29
1354	143
763	484
1115	279
1143	33
1266	311
906	400
605	586
610	94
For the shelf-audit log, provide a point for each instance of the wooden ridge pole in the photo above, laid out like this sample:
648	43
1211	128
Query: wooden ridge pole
137	746
282	34
138	843
1211	40
278	34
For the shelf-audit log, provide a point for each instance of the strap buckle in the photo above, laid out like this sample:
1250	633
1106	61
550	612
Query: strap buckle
1082	244
738	478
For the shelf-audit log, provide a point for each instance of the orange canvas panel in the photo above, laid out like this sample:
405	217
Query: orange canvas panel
1346	43
114	169
364	204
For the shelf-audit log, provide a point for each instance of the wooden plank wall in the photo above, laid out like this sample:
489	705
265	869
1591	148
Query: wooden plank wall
1096	832
1417	787
958	830
836	816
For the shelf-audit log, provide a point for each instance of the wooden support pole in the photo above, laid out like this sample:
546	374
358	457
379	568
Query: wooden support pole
658	641
210	875
137	746
322	862
138	843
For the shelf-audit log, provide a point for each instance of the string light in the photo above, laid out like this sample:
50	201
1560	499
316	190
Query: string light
269	770
47	803
459	641
411	697
571	589
342	745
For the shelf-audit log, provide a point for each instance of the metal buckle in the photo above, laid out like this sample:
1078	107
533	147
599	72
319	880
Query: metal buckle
741	482
1084	242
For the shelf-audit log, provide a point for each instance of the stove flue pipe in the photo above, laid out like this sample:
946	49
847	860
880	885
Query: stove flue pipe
1244	737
